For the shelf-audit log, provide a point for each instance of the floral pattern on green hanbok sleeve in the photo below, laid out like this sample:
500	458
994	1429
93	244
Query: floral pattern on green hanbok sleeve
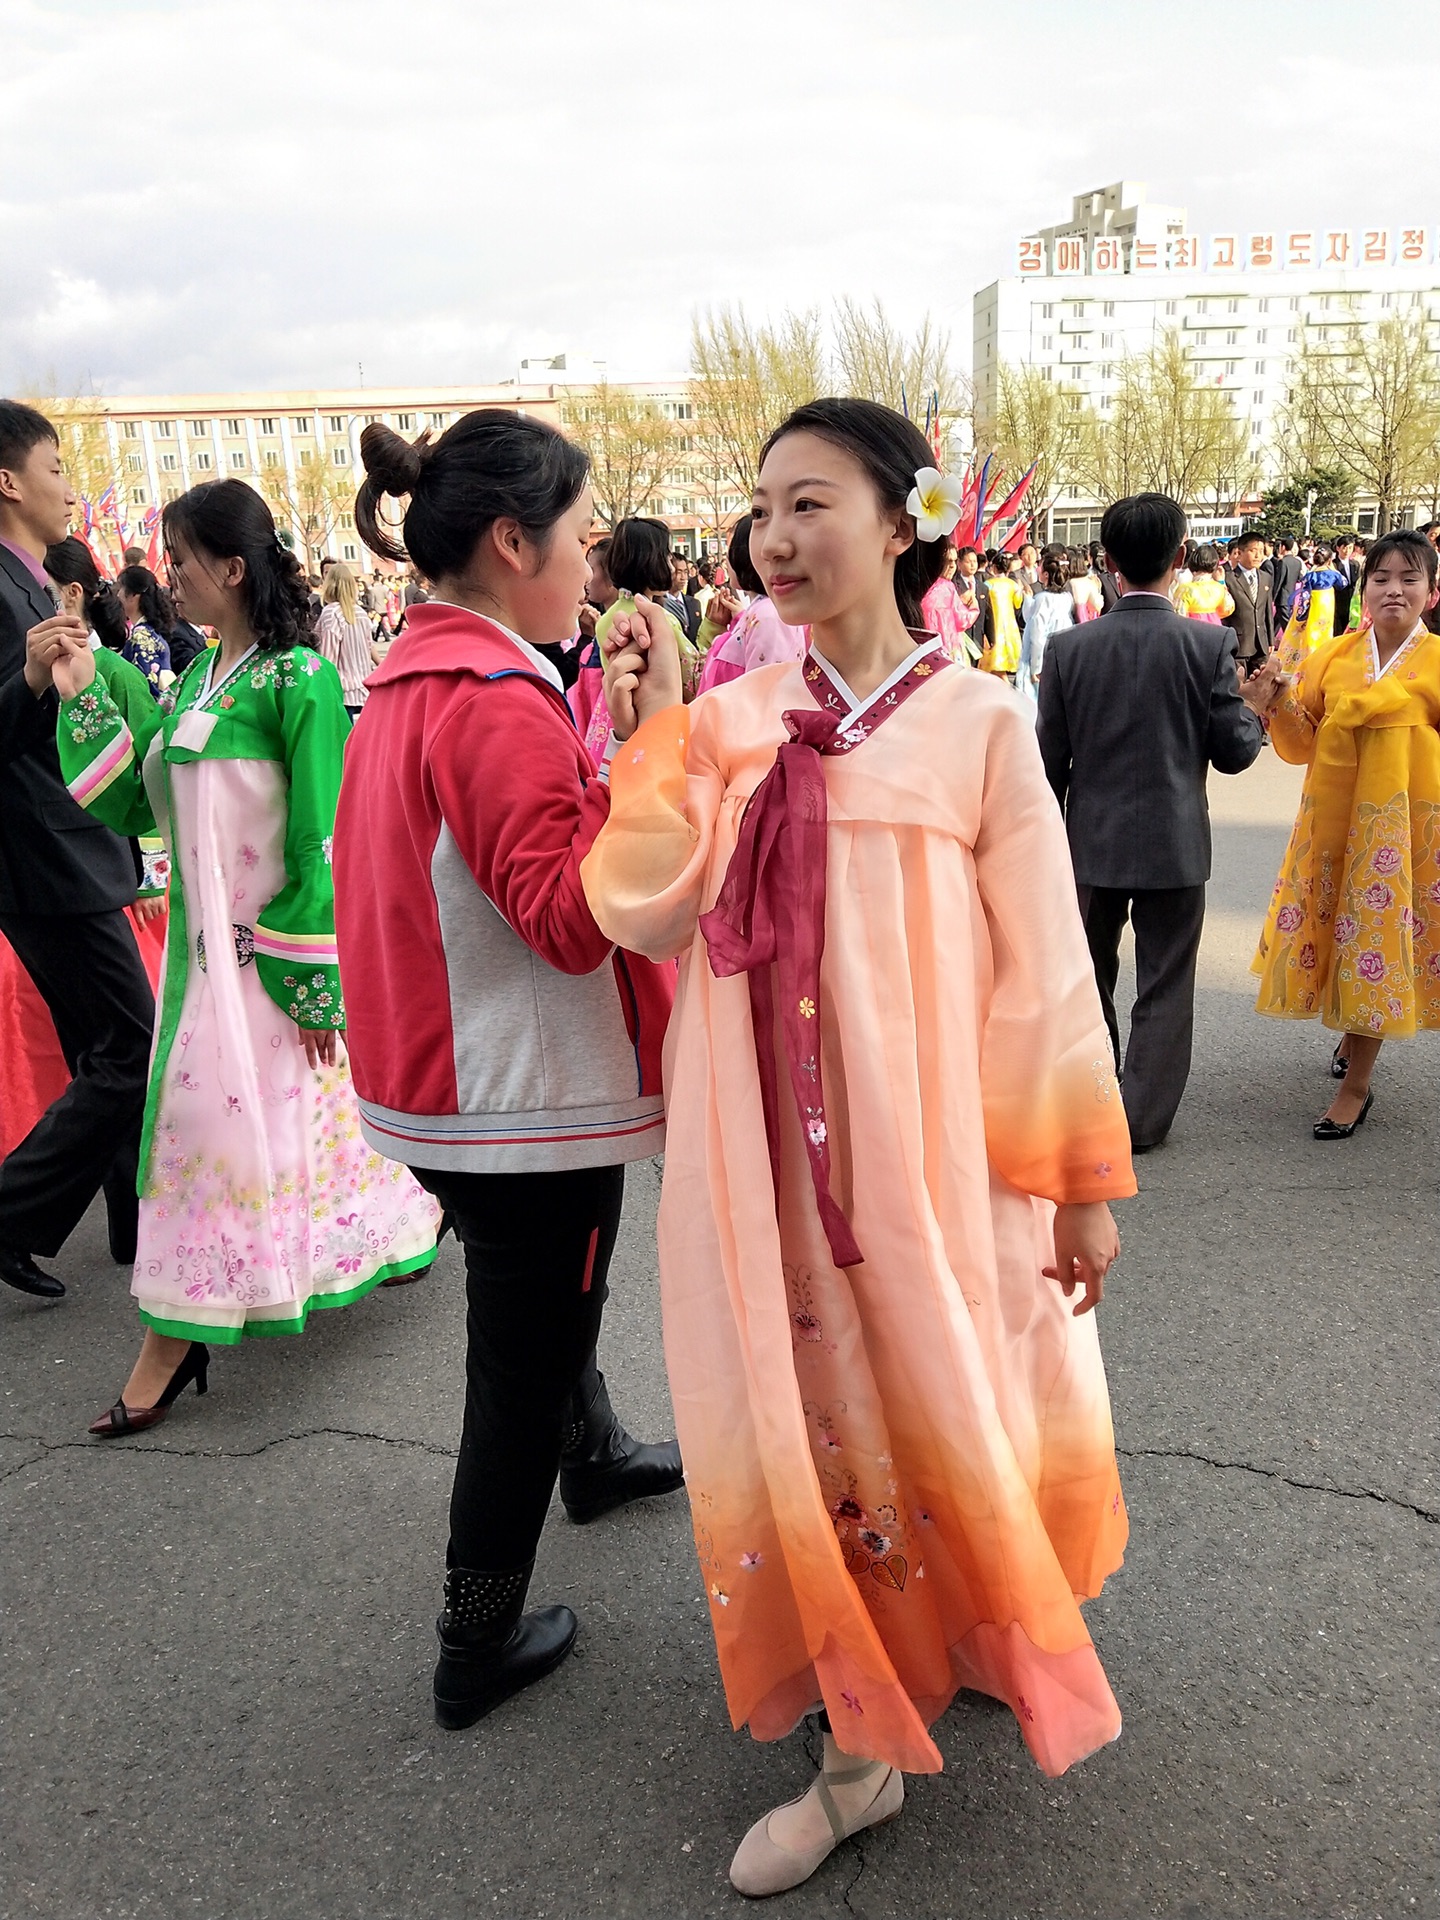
295	934
103	735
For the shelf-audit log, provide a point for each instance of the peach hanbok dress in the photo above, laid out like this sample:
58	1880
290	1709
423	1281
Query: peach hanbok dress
897	1436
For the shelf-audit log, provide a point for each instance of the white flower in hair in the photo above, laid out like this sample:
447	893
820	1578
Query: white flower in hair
935	503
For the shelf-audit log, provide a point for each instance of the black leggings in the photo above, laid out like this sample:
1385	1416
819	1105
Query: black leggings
537	1251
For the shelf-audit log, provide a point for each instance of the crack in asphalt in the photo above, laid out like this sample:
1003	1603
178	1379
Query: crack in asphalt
1274	1473
450	1453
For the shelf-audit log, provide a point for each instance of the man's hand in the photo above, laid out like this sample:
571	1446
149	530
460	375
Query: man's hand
44	644
321	1046
1087	1245
1264	686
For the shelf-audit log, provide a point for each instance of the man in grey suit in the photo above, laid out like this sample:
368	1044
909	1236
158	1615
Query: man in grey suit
1135	708
1286	567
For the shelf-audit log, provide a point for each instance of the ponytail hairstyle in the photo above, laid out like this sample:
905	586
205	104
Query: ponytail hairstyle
228	520
639	556
157	609
491	465
892	450
1054	569
71	563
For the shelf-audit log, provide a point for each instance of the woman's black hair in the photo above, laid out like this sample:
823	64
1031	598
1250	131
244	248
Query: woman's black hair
738	555
71	563
227	519
639	556
892	450
1207	558
1054	568
491	465
1411	545
157	609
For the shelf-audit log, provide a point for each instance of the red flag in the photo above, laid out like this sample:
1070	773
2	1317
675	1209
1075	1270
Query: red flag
1017	539
1009	504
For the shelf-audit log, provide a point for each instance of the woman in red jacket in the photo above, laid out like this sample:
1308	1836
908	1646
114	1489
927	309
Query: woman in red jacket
501	1046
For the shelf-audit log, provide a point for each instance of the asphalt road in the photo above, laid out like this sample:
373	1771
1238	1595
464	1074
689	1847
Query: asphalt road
218	1640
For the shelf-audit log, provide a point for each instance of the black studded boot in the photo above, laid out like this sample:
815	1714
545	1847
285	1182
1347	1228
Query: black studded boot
601	1467
490	1648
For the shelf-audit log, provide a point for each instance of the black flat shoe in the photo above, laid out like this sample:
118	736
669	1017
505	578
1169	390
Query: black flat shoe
1339	1065
18	1270
122	1419
1328	1129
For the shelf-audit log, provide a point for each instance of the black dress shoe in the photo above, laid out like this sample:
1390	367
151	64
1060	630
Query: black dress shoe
602	1467
1328	1129
491	1649
18	1270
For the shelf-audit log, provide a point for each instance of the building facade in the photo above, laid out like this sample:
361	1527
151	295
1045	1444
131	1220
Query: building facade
1122	272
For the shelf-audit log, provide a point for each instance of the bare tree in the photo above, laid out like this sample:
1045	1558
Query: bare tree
1037	421
1372	405
91	464
1166	431
875	361
744	379
312	503
630	444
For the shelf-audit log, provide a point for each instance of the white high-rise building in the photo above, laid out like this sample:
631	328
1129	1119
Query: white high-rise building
1121	272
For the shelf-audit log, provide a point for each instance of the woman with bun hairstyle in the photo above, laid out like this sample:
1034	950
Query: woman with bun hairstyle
893	1127
84	591
150	614
258	1197
502	1046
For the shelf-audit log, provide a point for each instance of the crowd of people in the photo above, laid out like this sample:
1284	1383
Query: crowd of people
808	866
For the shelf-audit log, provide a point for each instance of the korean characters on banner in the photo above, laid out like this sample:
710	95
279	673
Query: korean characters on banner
1290	251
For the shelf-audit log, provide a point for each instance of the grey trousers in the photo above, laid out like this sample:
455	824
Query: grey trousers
1168	923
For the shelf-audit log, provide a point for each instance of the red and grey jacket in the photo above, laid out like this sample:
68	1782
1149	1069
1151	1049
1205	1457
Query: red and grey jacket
491	1025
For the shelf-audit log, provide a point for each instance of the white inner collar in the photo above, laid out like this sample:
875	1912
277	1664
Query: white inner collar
860	707
1376	670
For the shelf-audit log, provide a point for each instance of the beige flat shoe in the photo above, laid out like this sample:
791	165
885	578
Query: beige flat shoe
761	1866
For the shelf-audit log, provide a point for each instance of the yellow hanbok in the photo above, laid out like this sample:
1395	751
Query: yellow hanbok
1312	623
1002	649
1353	931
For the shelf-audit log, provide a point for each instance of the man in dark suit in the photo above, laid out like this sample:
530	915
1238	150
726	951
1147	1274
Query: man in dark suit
1135	707
1347	563
1286	568
64	884
1253	621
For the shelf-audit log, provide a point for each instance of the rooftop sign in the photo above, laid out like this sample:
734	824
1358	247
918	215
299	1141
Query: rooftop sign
1272	252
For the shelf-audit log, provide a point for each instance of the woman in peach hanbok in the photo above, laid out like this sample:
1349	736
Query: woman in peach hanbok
893	1122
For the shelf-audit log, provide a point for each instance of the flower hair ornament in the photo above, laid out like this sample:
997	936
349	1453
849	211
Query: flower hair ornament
935	503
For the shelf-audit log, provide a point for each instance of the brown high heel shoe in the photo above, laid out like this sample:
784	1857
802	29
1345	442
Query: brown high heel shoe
122	1419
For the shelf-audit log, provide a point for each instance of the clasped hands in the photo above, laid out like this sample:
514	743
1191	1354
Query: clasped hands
642	667
58	654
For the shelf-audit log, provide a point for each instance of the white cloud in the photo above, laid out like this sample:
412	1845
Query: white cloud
268	194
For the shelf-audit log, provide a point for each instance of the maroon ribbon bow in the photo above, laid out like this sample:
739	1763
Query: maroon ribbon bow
771	912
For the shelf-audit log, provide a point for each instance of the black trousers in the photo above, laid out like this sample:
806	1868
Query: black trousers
89	973
1168	922
537	1252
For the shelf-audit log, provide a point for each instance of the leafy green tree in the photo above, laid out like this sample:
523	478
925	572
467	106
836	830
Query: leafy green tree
1332	511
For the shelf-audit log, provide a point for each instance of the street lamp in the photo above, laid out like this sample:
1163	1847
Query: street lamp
1311	496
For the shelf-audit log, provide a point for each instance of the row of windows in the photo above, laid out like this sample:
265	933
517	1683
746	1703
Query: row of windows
268	426
1203	304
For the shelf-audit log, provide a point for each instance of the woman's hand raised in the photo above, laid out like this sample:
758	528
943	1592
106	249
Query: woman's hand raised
73	667
45	644
642	667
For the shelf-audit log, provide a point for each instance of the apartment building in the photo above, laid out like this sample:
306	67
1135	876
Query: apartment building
1122	271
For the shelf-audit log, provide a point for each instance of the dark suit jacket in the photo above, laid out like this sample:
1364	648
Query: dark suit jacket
1109	592
53	857
1135	708
1286	569
1344	596
1253	621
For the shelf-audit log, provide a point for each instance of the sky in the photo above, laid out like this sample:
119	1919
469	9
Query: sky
203	196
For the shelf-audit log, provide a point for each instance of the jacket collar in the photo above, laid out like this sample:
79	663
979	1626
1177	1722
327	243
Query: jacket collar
441	639
1141	603
25	582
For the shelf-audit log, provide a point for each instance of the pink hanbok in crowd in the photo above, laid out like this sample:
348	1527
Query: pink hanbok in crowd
945	614
759	638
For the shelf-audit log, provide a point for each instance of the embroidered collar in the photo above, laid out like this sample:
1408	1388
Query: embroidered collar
1400	653
208	689
858	718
